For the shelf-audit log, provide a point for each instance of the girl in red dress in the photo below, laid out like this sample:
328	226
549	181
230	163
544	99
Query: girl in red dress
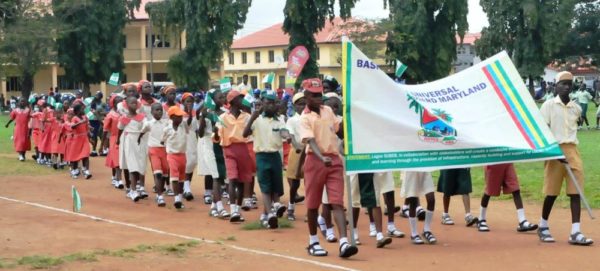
111	131
21	138
48	121
36	129
79	146
58	143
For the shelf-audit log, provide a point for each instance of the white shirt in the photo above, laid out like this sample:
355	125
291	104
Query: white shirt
562	119
155	129
175	140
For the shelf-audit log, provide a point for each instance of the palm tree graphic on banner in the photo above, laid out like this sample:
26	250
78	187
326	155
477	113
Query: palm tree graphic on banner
435	126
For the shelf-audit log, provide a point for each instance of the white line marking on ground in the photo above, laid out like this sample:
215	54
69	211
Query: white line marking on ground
243	249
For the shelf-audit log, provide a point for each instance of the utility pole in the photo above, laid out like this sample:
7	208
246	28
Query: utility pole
151	43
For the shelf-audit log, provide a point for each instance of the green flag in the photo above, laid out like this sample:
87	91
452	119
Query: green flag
400	68
209	102
114	79
225	84
76	200
269	78
248	100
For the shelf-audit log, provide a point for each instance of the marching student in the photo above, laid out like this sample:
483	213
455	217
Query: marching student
36	126
157	151
58	143
132	155
130	90
250	203
323	166
370	191
296	157
174	138
79	146
48	121
415	185
21	139
561	115
111	128
502	177
191	153
235	150
384	182
456	181
212	162
268	131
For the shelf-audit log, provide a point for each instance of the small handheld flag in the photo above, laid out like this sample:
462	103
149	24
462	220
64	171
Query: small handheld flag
400	68
248	100
76	200
269	78
225	84
114	79
210	103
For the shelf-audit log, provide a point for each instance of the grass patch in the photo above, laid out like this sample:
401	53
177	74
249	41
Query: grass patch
11	166
6	144
257	225
45	262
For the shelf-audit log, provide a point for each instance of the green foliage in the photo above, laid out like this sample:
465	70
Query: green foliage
257	225
530	31
424	36
305	18
94	49
210	26
367	35
26	38
584	36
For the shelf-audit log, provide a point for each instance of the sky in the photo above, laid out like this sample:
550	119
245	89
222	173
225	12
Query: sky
264	13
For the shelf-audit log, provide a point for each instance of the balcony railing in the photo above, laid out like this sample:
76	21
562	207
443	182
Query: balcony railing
143	55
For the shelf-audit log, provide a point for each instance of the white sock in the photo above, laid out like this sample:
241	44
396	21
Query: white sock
575	227
186	187
413	226
355	232
208	192
343	240
391	226
445	214
543	223
291	206
428	219
178	197
213	205
142	188
330	231
482	213
371	226
321	222
521	215
313	239
467	214
233	208
379	236
220	206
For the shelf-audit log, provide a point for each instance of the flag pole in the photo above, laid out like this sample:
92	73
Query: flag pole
350	210
579	191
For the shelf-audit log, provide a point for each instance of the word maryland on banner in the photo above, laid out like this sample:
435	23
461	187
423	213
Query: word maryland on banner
482	115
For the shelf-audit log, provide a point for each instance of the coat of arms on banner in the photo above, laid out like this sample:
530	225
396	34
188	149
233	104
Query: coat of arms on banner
435	126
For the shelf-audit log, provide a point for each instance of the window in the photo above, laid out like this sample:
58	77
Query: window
158	77
65	83
159	41
13	84
318	53
244	58
285	55
257	57
282	81
124	41
231	58
271	56
460	50
254	82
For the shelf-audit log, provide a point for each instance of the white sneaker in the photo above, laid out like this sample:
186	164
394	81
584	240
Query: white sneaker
74	174
114	183
21	158
120	185
133	195
142	192
372	231
87	174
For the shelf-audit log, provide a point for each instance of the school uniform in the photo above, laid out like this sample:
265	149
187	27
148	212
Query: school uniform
46	134
132	155
456	181
238	162
191	151
36	126
267	144
317	177
176	145
21	140
111	125
207	162
562	120
295	158
57	147
157	152
500	178
79	145
416	184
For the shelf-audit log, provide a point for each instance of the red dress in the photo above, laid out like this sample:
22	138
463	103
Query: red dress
36	128
78	147
21	140
111	122
57	133
46	135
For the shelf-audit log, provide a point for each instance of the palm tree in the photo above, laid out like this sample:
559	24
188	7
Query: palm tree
417	107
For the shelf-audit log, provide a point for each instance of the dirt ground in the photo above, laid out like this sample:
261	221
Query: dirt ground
118	223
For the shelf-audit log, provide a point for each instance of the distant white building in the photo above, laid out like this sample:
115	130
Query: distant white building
466	55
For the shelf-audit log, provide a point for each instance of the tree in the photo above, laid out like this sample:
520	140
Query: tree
209	25
27	40
305	18
94	49
367	35
424	36
583	39
531	31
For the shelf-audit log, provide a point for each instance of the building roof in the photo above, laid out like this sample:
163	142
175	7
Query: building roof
469	38
140	14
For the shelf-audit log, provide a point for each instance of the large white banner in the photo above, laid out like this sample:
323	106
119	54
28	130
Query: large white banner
482	115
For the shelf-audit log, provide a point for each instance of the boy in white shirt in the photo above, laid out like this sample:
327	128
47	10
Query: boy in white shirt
174	138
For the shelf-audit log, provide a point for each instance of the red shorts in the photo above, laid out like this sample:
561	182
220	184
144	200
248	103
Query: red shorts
238	162
318	177
176	166
500	177
286	153
252	156
158	160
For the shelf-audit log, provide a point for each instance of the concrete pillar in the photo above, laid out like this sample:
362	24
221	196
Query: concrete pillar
143	43
3	87
103	88
144	71
259	81
54	76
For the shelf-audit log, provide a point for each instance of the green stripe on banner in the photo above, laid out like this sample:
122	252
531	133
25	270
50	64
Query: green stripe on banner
447	158
348	87
521	103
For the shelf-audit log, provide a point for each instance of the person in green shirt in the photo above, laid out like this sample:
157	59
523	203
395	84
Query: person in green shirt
583	97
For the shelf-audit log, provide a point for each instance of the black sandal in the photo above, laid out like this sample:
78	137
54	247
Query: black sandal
429	237
316	251
347	250
529	227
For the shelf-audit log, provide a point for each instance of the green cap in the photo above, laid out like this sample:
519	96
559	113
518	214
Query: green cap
269	94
